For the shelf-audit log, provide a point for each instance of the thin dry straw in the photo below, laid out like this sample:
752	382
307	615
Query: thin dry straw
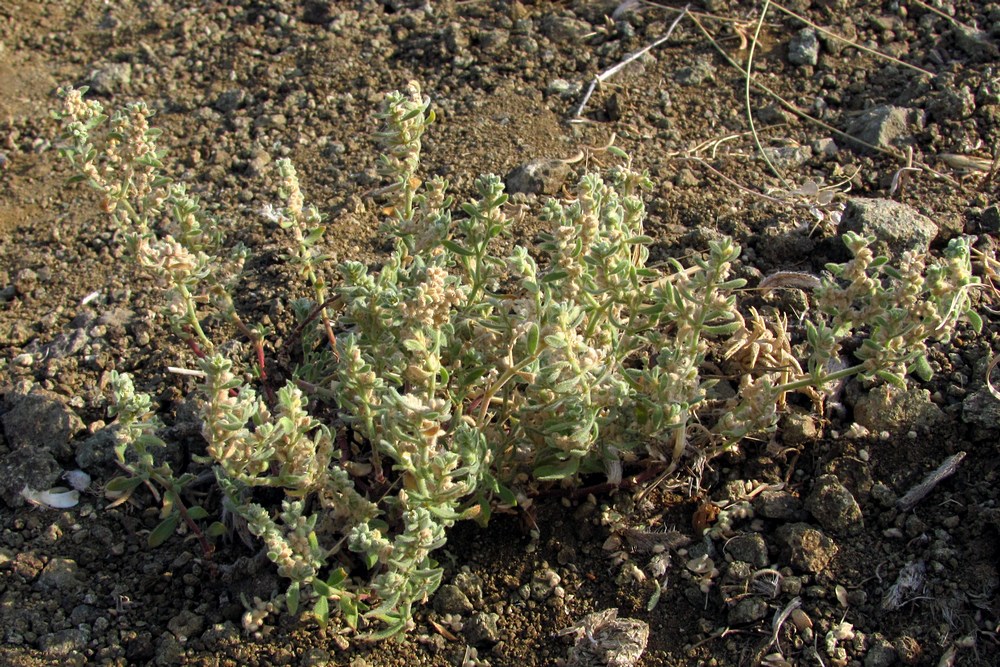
746	93
611	71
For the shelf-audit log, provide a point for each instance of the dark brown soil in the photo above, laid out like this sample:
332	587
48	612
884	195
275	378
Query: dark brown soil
237	85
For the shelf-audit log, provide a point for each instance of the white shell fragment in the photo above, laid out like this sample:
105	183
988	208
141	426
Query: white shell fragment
77	479
56	498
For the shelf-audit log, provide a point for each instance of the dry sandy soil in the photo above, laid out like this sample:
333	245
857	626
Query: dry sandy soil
237	85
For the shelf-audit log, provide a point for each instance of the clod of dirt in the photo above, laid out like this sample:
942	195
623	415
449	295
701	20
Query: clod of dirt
806	548
834	506
886	408
896	226
886	127
538	177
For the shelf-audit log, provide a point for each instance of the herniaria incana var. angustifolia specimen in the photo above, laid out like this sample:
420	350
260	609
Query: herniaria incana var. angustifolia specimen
458	379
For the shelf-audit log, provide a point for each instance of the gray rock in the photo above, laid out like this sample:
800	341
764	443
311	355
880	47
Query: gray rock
886	126
168	650
59	574
952	103
806	548
111	78
455	37
563	88
976	43
886	408
798	428
37	420
543	583
804	48
538	177
564	28
700	72
896	227
481	630
788	157
989	219
880	653
778	505
97	450
230	100
834	506
451	600
749	548
18	469
982	410
492	41
63	643
186	625
825	147
747	610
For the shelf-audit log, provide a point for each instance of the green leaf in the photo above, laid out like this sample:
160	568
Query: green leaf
555	342
164	530
617	152
922	369
721	329
457	249
197	512
654	599
975	321
642	239
336	577
553	276
532	338
557	471
506	496
349	608
891	378
121	485
216	529
292	598
321	610
321	588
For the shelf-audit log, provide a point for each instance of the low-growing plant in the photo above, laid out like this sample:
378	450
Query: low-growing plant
458	379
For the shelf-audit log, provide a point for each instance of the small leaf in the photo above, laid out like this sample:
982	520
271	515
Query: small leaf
216	529
975	321
292	598
532	338
617	152
321	610
350	610
123	484
654	599
336	577
457	249
506	496
197	512
164	530
555	342
891	378
553	276
922	369
321	588
558	471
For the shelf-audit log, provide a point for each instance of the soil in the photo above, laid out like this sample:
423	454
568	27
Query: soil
236	85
